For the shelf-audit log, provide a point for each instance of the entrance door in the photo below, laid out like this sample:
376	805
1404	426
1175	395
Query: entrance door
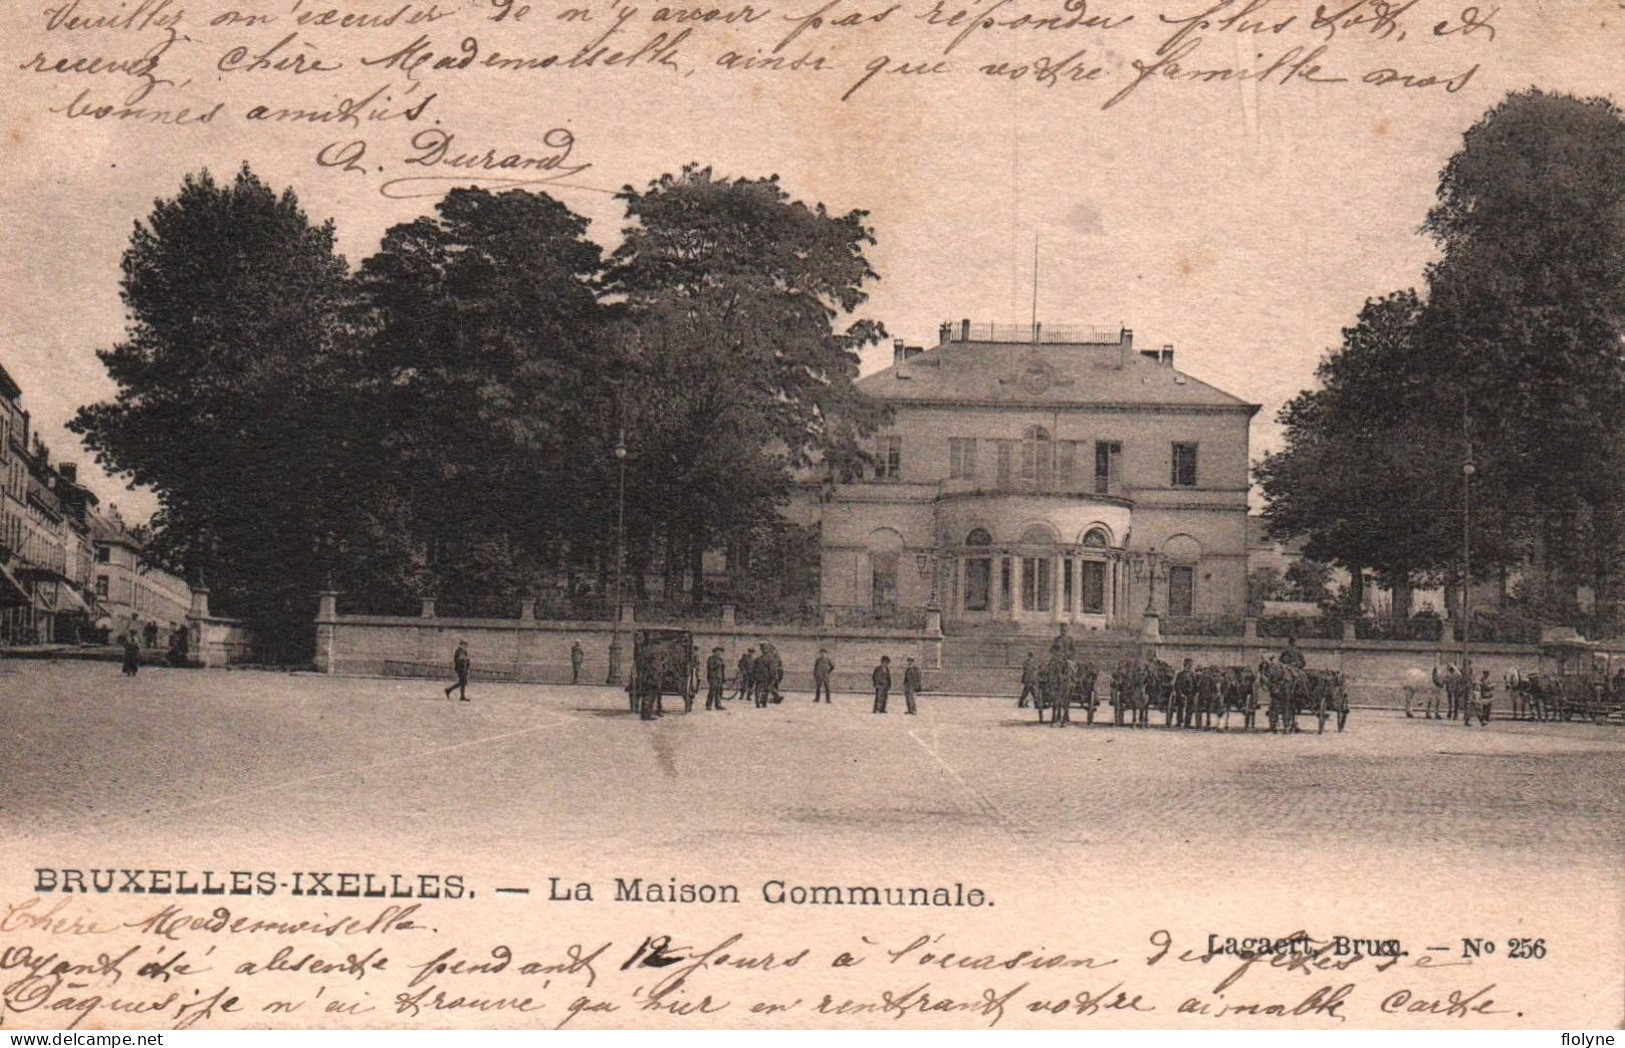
1181	590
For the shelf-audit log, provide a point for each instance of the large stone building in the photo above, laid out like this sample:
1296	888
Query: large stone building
1034	476
133	591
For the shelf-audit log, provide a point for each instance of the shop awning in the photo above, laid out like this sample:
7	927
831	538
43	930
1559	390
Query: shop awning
12	592
69	601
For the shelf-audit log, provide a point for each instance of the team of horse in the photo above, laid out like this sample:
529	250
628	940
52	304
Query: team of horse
1553	697
1204	697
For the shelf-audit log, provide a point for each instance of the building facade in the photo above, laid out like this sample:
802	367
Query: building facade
133	592
1034	476
45	548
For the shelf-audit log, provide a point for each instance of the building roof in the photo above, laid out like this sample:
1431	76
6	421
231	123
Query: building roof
8	385
1059	369
103	529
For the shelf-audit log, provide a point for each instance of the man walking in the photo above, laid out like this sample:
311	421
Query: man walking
1029	682
577	657
460	666
911	685
132	653
716	675
822	668
882	679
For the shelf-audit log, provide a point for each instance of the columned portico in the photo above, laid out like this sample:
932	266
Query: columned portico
1039	574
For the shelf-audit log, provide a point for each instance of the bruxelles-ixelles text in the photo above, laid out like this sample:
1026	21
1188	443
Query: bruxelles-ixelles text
360	885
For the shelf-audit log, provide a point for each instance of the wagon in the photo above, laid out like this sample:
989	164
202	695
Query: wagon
662	664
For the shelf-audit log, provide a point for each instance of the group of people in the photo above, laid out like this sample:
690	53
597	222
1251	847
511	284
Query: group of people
135	639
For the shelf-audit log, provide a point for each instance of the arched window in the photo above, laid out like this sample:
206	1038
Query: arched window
1037	456
979	572
1038	535
1096	539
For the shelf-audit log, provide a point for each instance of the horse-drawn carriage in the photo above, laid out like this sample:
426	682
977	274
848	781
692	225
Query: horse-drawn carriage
1295	691
663	663
1565	697
1064	683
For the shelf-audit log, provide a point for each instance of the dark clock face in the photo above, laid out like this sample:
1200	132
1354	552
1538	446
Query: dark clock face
1037	378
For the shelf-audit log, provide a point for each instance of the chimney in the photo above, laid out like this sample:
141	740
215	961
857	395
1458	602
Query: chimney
897	356
1125	345
1167	356
964	330
69	471
945	333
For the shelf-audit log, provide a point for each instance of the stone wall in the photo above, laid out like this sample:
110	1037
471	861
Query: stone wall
539	651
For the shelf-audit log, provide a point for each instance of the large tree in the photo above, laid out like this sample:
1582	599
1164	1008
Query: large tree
482	326
735	366
1371	474
1526	318
230	403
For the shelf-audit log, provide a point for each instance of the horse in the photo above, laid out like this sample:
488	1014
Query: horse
1330	696
1413	681
1054	689
1084	689
1129	694
1239	692
1288	687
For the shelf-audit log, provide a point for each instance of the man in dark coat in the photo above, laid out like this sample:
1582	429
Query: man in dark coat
762	675
1185	694
577	657
716	675
1292	656
132	653
747	671
460	664
822	668
911	684
1029	682
1064	645
882	679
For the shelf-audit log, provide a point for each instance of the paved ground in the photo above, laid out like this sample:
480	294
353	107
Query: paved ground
1391	820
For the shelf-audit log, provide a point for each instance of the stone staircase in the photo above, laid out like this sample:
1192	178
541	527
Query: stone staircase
981	664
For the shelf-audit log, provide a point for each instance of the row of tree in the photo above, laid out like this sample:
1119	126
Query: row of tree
442	418
1513	360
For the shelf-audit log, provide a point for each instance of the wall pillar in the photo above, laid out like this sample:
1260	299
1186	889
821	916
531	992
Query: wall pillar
326	630
427	611
527	609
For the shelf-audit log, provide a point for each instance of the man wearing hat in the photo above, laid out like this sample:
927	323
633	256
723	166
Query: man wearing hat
716	674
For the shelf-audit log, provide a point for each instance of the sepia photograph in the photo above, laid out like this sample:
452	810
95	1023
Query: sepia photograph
934	515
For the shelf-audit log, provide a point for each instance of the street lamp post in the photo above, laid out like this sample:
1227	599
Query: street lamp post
1467	471
620	559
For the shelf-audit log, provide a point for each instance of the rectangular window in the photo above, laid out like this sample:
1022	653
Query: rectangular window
962	458
1004	583
978	584
1181	589
101	554
1066	453
1106	456
889	453
1066	585
101	585
1035	583
1094	587
1004	464
1184	472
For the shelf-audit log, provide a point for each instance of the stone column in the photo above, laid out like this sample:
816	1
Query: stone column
428	608
326	629
527	609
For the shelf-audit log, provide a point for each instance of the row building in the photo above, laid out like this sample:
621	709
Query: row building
70	573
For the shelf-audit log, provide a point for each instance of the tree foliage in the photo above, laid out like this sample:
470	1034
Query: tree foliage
231	398
1515	353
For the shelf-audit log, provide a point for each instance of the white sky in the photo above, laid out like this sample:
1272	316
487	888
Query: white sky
1243	223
